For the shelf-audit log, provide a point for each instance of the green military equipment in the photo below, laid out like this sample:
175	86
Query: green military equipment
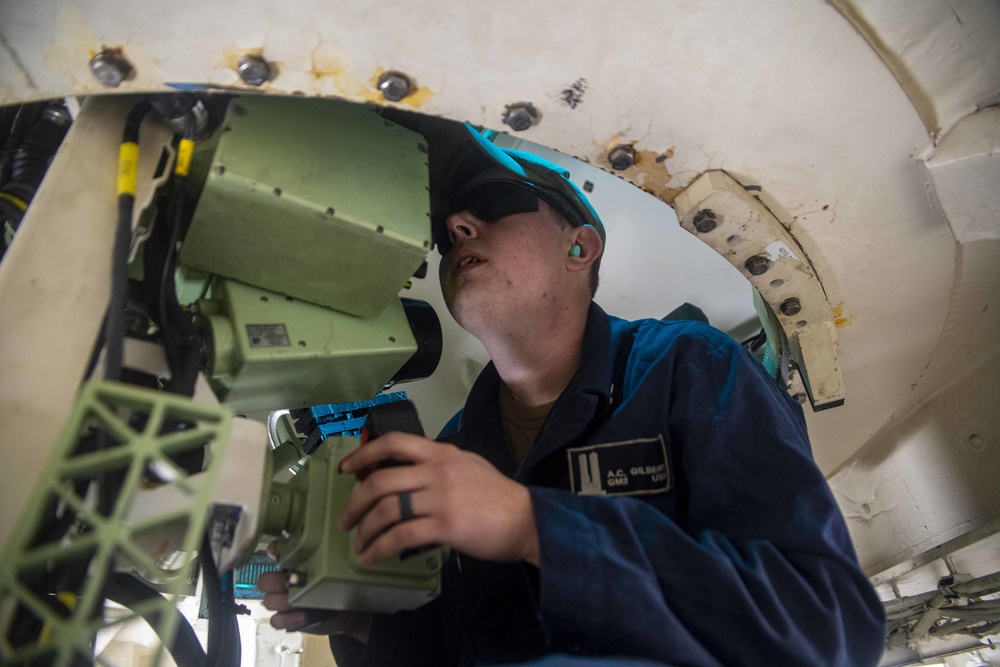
324	570
268	351
288	202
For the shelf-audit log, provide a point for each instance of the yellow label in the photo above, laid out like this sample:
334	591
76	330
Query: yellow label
48	632
68	598
128	165
184	152
14	200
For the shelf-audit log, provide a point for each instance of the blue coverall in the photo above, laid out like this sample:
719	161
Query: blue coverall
681	520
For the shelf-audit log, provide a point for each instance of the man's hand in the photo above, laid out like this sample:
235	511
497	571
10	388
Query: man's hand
458	500
314	621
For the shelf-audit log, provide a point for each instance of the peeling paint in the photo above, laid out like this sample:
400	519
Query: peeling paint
650	172
327	63
839	319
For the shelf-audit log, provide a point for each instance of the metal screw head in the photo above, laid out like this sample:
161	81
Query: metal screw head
791	307
800	398
977	442
758	265
110	68
705	220
254	70
431	563
394	86
621	157
296	579
520	116
274	499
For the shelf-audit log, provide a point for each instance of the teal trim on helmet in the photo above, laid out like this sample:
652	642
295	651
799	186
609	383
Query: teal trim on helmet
478	160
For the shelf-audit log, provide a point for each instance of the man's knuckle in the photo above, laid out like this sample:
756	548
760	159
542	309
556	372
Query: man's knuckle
385	510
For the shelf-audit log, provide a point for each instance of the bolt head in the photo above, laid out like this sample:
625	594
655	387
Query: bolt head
110	68
705	221
254	70
519	116
791	307
394	86
758	265
621	157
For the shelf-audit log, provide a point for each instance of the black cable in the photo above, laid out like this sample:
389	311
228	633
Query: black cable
223	629
115	322
181	339
22	168
25	117
128	591
755	341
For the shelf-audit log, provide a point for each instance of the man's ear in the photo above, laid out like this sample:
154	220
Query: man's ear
588	241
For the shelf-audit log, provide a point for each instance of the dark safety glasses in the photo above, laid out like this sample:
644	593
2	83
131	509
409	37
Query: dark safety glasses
491	201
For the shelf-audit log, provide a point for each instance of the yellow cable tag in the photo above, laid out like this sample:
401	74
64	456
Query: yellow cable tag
184	152
48	635
128	166
14	200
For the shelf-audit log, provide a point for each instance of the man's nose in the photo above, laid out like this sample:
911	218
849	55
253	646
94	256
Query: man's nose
463	225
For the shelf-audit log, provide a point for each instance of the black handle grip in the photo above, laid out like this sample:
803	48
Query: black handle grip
398	416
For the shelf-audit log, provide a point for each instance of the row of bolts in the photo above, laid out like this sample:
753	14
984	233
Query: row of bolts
110	68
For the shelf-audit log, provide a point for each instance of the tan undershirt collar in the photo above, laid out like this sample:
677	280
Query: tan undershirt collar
521	423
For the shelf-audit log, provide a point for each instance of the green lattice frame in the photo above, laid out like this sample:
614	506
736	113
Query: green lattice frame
109	406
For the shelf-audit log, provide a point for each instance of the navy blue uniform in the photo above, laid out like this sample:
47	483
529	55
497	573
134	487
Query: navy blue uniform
681	520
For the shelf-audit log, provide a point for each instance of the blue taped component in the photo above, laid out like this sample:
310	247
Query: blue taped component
342	419
346	427
246	577
327	413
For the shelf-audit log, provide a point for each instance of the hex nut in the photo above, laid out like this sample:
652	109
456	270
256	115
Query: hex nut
758	265
791	307
254	70
394	86
520	116
621	157
705	220
110	68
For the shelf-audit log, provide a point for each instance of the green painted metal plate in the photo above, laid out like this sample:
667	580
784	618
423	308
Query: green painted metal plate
320	199
270	351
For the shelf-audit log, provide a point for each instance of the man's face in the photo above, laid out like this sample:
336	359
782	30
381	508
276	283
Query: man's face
513	267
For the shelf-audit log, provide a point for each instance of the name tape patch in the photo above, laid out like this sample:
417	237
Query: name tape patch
628	468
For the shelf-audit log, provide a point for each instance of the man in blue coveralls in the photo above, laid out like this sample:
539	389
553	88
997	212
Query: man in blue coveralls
614	492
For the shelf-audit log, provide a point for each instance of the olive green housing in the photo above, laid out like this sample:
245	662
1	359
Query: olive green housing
268	351
322	200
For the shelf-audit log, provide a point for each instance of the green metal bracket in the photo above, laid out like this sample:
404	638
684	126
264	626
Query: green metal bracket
136	422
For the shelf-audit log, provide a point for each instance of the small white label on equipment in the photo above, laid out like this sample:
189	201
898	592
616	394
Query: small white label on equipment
778	249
